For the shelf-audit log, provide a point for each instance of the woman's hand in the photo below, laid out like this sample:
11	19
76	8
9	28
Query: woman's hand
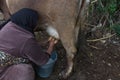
52	41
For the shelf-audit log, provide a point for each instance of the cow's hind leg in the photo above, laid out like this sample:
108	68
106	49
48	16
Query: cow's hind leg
69	45
4	9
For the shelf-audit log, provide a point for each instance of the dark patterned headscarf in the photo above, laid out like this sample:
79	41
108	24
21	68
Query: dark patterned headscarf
25	18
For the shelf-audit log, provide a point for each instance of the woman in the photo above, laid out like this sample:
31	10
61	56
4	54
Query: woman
18	47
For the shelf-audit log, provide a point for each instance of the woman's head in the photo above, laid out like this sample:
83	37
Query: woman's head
25	18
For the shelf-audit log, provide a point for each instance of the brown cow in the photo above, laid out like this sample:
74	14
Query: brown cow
58	16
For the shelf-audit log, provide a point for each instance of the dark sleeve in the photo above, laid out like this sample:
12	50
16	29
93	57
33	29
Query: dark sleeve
35	53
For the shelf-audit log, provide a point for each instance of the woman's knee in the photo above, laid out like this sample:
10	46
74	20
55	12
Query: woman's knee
21	72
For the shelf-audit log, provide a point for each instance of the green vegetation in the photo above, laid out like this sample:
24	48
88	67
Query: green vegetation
106	12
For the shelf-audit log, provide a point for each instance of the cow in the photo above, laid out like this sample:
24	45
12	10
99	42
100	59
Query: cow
58	17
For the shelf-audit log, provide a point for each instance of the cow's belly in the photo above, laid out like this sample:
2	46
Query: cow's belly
43	9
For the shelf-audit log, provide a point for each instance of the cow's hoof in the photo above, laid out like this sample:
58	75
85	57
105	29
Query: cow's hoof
64	74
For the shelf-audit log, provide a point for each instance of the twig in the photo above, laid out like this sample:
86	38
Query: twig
94	40
101	19
93	47
104	22
93	1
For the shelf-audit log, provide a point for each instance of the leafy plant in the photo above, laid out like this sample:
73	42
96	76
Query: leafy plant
106	6
116	28
111	6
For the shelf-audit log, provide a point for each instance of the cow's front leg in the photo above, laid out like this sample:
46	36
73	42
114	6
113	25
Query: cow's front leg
68	42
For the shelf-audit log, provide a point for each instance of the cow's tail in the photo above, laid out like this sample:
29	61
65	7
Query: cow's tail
81	15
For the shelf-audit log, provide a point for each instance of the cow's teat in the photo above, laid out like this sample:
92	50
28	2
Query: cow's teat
52	32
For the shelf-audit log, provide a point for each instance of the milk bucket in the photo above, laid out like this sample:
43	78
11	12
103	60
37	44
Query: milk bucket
45	70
